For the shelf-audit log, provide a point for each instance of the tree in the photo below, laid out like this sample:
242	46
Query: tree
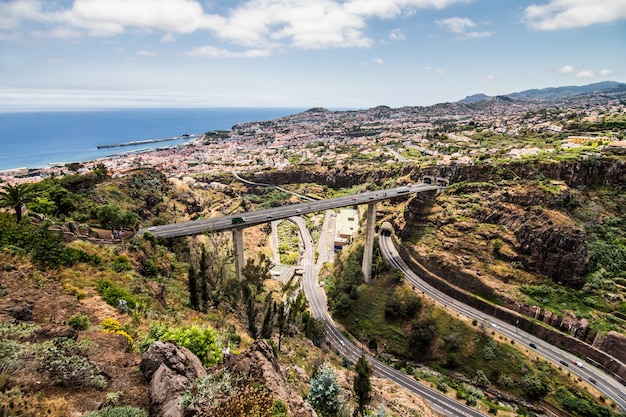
362	384
281	322
325	396
193	289
112	217
16	197
108	216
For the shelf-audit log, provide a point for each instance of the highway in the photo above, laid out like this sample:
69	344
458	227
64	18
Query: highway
319	310
253	218
606	384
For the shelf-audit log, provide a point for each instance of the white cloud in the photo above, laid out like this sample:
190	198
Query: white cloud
565	14
461	25
456	24
396	35
606	72
585	74
213	52
566	69
143	52
168	37
436	70
490	77
255	24
378	61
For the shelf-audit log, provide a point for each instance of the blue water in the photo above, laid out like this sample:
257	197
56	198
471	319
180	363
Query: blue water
35	139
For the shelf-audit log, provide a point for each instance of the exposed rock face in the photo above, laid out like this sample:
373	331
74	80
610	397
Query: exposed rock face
604	171
556	248
612	342
259	362
170	370
21	310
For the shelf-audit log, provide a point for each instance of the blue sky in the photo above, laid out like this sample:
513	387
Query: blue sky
300	53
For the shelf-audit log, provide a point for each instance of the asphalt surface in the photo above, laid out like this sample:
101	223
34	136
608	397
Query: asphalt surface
253	218
319	309
606	384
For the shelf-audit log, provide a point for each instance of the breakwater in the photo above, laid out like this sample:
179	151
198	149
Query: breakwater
143	142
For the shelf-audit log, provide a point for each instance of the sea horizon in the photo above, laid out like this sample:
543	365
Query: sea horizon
38	138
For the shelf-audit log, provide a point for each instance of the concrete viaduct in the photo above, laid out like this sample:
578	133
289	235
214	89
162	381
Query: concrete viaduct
237	222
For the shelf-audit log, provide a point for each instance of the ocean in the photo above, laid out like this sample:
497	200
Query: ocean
35	139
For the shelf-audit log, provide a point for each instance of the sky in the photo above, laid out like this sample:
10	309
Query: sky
300	53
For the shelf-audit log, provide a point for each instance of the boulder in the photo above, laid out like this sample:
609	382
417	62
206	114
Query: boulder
171	370
259	362
21	310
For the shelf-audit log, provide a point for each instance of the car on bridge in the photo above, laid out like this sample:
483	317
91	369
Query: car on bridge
238	220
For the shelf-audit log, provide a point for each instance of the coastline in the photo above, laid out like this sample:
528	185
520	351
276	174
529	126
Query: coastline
116	163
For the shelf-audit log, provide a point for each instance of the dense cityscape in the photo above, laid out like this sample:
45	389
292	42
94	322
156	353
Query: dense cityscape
450	133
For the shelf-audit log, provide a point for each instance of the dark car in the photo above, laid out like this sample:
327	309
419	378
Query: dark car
593	381
532	345
562	362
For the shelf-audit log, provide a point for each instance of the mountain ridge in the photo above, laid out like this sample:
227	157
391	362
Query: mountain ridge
549	93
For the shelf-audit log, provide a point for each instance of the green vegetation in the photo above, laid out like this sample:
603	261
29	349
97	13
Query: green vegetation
362	385
233	395
386	317
118	411
326	395
66	363
79	322
15	197
42	245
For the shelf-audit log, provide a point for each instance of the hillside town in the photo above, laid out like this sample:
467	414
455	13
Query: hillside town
493	129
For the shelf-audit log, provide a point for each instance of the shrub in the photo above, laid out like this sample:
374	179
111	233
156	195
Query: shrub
113	293
201	341
79	322
65	362
113	326
9	356
279	409
325	395
121	263
118	411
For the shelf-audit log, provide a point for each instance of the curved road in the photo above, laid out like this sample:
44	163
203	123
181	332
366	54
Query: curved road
609	386
319	309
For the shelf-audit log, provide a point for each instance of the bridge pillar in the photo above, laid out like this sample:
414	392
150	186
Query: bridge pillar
368	250
238	246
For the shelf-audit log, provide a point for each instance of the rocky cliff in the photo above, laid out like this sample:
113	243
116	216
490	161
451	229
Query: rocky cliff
257	381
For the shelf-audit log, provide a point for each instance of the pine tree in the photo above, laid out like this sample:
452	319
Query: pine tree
281	322
268	319
193	289
362	384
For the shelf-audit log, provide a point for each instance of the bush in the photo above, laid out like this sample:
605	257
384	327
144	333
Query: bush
118	411
65	362
325	396
79	322
202	342
113	293
9	356
121	263
113	326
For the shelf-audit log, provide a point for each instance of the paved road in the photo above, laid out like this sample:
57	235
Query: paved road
318	305
609	386
253	218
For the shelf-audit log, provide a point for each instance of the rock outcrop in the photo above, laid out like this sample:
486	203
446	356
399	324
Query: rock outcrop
259	362
171	370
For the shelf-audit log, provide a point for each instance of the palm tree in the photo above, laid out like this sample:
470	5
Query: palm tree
15	197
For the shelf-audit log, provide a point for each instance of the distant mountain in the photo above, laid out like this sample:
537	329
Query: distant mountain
556	92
